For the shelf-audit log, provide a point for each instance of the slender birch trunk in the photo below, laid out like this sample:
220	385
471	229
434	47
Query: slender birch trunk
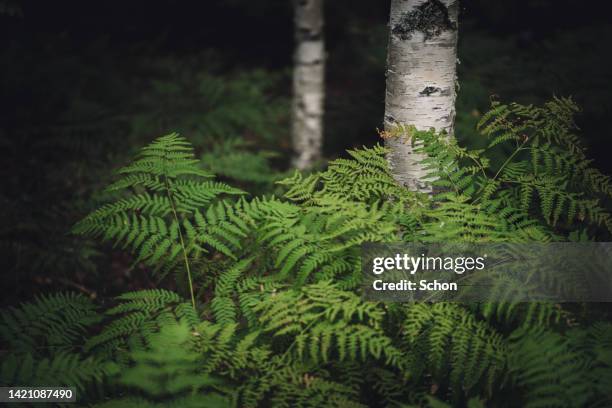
308	83
421	77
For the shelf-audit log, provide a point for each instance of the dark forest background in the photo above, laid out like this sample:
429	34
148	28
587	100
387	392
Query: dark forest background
84	84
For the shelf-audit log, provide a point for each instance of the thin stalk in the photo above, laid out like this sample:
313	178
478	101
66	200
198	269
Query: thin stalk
308	326
182	241
508	160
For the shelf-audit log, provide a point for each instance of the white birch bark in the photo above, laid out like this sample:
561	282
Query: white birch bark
308	83
421	77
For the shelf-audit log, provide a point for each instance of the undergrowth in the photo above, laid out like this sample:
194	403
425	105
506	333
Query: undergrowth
267	310
59	153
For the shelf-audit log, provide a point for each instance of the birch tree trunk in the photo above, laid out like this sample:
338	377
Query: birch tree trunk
308	83
421	78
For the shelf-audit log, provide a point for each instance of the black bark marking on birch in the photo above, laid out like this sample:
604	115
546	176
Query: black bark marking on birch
431	18
390	119
429	90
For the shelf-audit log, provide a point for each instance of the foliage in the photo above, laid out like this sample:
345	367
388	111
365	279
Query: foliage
275	317
233	159
169	370
211	107
545	177
26	328
84	115
45	337
161	221
62	369
320	318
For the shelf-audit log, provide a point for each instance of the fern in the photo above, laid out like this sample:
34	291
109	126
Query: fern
364	178
232	159
595	343
222	304
544	177
324	240
63	369
164	225
168	366
319	237
279	320
285	384
552	373
170	370
446	339
320	318
57	322
133	322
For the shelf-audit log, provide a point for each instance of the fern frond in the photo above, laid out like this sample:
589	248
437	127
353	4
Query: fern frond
63	369
177	219
551	373
458	345
223	305
135	320
320	316
57	321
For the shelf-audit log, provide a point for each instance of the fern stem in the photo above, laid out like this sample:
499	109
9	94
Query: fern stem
294	342
182	241
508	160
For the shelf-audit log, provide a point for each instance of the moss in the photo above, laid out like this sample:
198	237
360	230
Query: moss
431	18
